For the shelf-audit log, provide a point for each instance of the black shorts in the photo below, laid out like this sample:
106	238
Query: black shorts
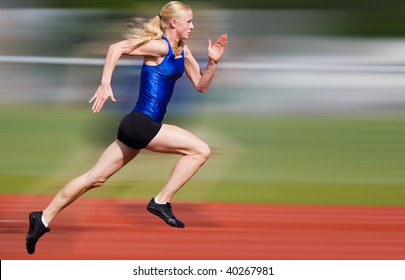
136	130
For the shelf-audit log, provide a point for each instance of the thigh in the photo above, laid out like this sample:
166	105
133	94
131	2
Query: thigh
173	139
113	159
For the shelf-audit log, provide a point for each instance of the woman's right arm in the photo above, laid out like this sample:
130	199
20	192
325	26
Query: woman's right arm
104	91
115	51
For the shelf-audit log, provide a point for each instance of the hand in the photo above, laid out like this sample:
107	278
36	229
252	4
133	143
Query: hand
100	97
216	50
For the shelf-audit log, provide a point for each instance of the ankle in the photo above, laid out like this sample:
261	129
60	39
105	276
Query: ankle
44	221
159	201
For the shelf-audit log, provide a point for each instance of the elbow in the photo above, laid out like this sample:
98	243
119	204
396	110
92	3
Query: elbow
115	48
201	90
112	47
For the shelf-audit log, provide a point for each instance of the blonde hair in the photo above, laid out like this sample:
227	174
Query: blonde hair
154	29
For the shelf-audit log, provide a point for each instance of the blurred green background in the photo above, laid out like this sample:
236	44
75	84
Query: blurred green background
306	106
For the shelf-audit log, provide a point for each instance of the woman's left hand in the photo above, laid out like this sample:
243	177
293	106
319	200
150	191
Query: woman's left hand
216	50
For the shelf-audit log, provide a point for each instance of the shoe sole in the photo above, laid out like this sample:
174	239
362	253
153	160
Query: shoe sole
160	216
30	243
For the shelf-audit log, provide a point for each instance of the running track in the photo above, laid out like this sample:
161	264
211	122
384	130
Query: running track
106	229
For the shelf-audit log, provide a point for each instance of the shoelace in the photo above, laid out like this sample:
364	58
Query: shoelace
169	209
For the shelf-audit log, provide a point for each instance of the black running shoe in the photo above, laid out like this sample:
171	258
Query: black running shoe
36	230
164	211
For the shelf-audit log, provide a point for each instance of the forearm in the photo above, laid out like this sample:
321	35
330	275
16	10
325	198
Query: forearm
113	55
207	76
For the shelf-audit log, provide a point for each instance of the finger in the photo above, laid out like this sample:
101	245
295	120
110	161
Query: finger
112	97
101	105
92	99
98	107
95	95
93	108
223	40
209	43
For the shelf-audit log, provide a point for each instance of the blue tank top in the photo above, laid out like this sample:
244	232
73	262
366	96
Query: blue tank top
157	84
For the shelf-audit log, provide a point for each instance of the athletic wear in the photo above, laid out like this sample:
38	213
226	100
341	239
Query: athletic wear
157	84
164	211
140	126
137	130
35	231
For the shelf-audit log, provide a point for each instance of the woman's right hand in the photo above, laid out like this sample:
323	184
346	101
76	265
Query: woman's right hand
100	97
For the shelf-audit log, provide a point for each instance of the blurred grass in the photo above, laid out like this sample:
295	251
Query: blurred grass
34	143
356	160
324	159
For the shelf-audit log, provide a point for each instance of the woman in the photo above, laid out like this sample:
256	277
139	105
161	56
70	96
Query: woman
166	57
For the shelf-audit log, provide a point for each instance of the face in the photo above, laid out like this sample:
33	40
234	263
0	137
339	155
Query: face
184	24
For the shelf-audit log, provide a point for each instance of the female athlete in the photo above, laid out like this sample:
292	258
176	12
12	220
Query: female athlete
166	57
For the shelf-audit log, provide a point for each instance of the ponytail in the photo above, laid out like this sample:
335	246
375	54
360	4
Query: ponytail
155	28
151	30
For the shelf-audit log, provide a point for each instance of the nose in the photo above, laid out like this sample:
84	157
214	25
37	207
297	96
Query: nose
191	25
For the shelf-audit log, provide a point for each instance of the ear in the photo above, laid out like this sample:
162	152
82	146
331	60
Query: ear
173	23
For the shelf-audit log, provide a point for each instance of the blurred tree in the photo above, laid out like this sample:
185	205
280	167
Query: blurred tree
252	4
367	17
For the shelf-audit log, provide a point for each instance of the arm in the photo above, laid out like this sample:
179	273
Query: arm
154	48
202	80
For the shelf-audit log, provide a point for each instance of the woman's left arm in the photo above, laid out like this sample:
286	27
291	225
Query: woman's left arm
202	80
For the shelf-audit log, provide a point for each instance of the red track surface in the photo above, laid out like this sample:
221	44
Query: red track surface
107	229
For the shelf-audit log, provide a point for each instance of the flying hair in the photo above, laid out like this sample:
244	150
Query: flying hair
154	28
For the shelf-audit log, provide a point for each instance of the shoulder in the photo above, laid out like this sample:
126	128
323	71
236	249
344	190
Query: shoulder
153	48
187	52
157	47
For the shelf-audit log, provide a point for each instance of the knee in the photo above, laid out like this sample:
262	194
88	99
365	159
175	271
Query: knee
96	181
204	151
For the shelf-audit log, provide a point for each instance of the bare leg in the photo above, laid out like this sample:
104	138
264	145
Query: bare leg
112	160
172	139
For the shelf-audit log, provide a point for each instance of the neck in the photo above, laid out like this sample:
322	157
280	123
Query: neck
174	40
